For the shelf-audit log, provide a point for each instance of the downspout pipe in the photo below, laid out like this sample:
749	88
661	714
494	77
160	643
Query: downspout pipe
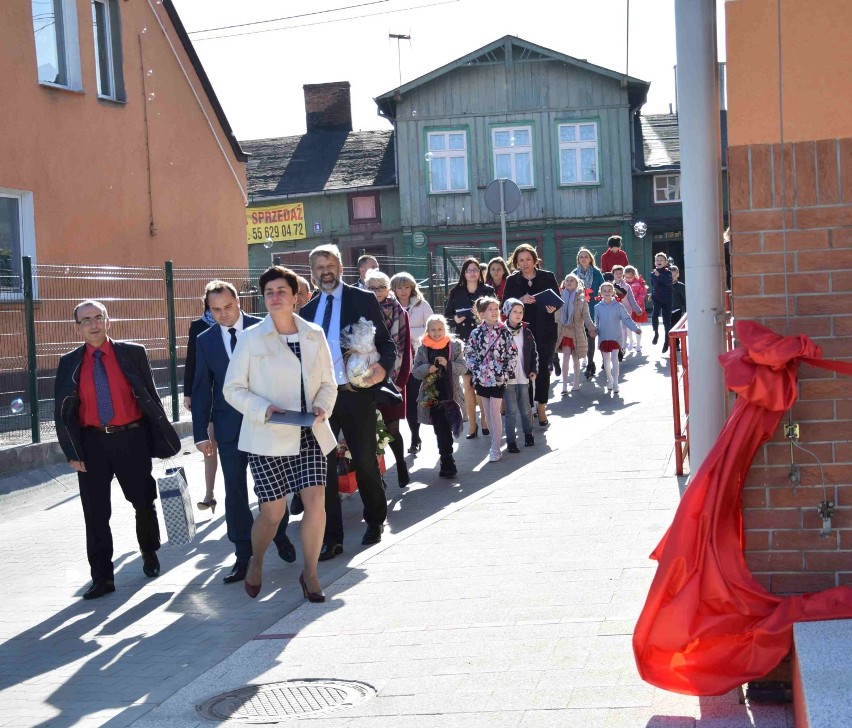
701	187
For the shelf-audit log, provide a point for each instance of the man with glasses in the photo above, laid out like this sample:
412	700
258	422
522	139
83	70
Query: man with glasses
337	306
110	423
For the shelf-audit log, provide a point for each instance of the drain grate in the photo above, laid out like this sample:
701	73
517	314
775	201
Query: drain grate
274	702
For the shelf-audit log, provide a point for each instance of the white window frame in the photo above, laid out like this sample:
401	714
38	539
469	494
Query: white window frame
67	10
513	150
26	232
444	156
663	184
579	146
111	34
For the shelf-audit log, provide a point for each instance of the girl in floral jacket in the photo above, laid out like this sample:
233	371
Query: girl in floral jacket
491	356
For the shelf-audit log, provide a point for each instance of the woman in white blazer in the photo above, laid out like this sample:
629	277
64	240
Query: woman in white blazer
283	364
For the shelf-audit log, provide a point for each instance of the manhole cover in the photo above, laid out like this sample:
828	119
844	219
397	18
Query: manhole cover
274	702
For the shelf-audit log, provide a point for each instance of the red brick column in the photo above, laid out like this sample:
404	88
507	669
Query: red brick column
791	253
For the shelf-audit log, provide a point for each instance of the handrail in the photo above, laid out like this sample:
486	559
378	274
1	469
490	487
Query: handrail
680	382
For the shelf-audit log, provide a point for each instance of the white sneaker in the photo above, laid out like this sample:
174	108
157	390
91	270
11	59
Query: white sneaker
639	350
609	383
575	388
495	457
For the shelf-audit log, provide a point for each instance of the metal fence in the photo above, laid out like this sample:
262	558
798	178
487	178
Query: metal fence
149	305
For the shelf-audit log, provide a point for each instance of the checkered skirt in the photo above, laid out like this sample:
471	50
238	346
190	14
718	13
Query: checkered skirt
277	475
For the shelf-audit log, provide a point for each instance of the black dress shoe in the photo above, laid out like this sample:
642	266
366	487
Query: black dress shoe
287	551
512	447
330	550
415	446
98	588
372	535
297	507
150	563
402	476
238	573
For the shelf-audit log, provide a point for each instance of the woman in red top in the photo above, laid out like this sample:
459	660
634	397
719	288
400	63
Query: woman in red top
497	273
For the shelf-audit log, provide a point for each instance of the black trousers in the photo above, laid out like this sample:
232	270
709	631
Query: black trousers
355	415
125	456
238	517
412	389
663	309
443	432
546	344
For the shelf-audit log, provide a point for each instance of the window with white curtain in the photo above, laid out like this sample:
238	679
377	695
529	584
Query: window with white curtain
57	43
447	158
513	154
666	189
579	153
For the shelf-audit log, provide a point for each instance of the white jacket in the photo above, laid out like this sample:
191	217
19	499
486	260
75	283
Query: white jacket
264	371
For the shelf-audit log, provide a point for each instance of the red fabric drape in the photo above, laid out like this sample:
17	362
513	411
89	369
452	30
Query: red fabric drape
707	625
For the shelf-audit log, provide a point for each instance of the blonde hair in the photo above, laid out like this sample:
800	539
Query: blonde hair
404	278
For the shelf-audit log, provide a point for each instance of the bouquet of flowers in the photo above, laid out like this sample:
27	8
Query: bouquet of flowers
429	396
359	340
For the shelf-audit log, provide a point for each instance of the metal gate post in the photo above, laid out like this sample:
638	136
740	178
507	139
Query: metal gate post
32	364
170	301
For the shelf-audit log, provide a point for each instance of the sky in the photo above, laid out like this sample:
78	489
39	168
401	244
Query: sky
258	76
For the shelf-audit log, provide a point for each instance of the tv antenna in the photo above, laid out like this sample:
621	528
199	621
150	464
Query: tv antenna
398	37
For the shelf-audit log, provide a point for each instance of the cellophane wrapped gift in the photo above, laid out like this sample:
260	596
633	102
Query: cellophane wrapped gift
177	506
360	340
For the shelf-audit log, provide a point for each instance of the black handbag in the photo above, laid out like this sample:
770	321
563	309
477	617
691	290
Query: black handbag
386	394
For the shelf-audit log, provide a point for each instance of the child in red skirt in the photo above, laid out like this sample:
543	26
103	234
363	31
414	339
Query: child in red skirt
610	315
574	319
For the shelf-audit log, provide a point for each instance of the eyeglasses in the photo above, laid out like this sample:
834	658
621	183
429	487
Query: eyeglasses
90	320
376	288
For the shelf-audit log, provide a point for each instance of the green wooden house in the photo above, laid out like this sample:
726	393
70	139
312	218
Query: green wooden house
559	127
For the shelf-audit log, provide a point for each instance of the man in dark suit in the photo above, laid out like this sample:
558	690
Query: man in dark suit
213	350
337	306
110	422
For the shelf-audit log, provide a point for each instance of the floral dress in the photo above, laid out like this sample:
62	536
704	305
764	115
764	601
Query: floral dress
491	355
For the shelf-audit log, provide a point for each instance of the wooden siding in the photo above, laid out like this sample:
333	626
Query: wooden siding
538	92
333	212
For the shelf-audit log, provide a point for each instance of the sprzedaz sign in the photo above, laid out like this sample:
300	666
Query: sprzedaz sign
277	223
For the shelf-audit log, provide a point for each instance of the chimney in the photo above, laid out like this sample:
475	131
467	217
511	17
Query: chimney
327	106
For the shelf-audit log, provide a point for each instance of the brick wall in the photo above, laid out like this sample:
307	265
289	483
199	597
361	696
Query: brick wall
328	106
807	188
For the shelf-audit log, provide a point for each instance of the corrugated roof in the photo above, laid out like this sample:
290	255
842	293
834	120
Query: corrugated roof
320	161
660	141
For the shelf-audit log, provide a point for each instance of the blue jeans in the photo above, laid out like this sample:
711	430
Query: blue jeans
517	403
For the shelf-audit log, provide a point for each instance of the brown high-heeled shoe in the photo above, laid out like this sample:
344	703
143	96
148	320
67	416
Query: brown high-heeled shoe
205	504
251	589
316	597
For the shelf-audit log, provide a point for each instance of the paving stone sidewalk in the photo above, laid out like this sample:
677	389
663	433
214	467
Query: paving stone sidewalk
505	598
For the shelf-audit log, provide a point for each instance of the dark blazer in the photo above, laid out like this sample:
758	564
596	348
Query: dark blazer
133	360
195	328
541	323
460	297
357	304
208	403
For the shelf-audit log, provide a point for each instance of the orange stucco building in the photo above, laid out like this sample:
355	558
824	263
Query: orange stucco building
114	149
790	182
